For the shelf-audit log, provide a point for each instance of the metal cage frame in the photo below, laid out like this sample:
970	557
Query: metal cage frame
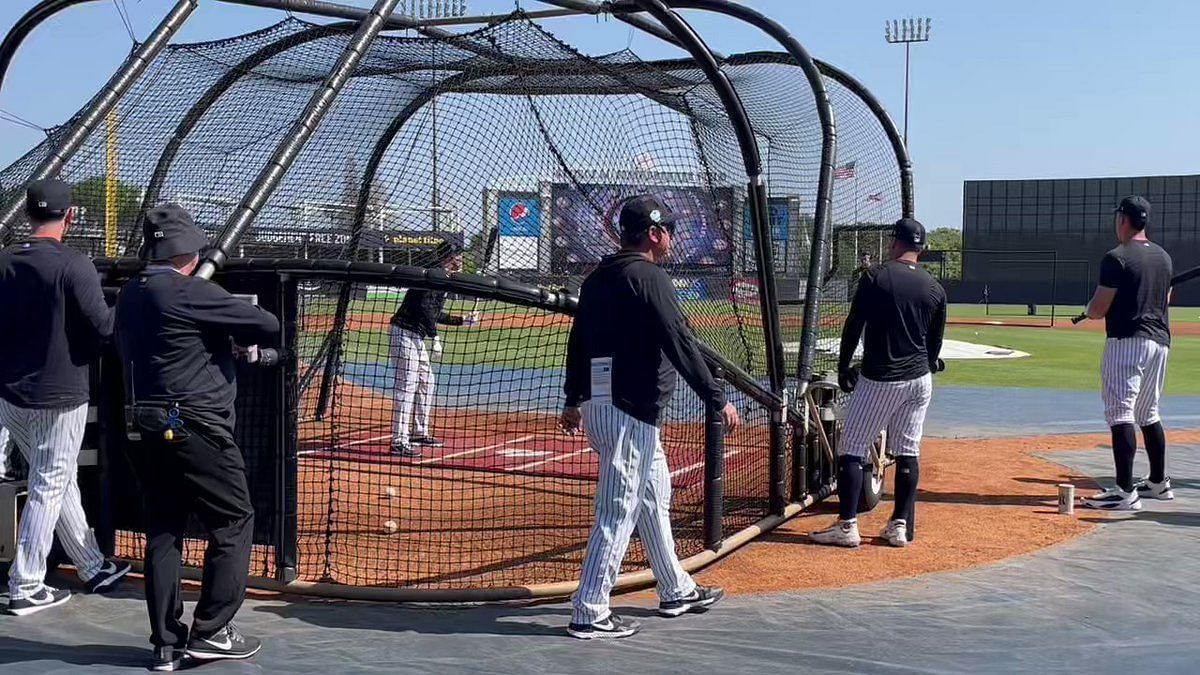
658	18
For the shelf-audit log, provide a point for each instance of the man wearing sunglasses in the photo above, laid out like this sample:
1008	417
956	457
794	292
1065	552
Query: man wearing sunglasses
627	342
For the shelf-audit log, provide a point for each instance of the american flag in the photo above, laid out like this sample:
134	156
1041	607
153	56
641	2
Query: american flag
877	198
844	172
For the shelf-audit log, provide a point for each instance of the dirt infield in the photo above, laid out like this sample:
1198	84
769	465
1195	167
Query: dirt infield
980	501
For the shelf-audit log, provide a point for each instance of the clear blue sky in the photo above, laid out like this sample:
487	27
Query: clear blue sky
1013	89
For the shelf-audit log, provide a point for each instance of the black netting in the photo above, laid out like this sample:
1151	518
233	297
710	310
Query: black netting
517	147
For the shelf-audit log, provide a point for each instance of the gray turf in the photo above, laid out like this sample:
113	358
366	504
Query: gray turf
1120	597
1120	600
999	411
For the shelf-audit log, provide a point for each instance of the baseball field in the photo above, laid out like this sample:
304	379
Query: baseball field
1062	356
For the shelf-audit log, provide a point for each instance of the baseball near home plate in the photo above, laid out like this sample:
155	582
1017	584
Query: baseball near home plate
455	335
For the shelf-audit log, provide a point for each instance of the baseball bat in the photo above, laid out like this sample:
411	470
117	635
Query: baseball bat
488	248
1181	278
1184	277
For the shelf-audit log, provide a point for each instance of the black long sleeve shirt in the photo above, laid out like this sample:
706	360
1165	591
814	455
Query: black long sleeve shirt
903	312
628	312
421	312
53	319
174	335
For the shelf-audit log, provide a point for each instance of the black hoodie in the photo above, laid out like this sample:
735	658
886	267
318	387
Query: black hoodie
628	312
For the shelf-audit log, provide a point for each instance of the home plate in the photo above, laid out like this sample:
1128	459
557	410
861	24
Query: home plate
522	453
951	350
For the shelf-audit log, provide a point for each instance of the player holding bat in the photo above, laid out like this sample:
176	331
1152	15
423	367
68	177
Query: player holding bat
1132	298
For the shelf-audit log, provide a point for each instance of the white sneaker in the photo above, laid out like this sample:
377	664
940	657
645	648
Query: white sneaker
1147	488
1114	499
896	533
841	533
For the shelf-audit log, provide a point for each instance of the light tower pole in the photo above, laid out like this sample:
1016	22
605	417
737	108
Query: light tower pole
434	9
906	32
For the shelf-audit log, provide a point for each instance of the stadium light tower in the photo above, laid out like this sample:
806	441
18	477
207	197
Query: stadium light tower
906	32
434	9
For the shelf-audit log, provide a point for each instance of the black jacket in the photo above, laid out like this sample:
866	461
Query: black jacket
174	335
53	319
628	312
903	312
421	312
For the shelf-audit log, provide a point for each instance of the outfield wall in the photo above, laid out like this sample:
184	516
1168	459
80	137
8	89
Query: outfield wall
1072	217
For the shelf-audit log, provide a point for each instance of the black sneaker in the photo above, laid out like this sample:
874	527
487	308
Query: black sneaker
166	659
401	450
45	598
427	441
610	628
108	578
699	601
226	643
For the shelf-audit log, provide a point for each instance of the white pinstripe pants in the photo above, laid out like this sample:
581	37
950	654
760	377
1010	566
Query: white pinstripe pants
50	440
1132	375
414	384
634	489
898	407
5	444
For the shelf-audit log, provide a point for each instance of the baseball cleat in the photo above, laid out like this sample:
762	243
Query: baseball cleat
1151	490
108	578
45	598
698	600
427	442
609	628
896	533
226	643
166	659
402	450
842	533
1114	499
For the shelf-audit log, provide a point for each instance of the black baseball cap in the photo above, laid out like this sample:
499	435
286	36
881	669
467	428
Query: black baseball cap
643	212
1137	209
47	199
446	250
170	231
910	231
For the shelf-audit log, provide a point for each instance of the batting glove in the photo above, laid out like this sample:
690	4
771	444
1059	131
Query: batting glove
847	379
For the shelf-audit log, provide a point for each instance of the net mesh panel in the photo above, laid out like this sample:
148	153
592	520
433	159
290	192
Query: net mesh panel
866	201
512	143
508	500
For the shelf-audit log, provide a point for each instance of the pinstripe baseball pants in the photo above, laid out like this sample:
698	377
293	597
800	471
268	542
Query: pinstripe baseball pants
414	384
898	407
1132	375
634	489
50	440
5	446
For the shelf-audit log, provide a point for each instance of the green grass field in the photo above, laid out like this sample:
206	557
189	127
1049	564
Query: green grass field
1060	358
1061	313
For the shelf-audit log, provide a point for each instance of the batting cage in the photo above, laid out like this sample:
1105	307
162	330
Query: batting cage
329	162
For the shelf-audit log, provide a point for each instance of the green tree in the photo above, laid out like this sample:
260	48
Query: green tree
90	196
948	241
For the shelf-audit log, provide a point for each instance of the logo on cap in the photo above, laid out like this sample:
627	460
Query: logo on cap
159	234
656	216
42	204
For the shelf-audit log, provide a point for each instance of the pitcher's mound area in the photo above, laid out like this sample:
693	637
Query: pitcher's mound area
980	501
